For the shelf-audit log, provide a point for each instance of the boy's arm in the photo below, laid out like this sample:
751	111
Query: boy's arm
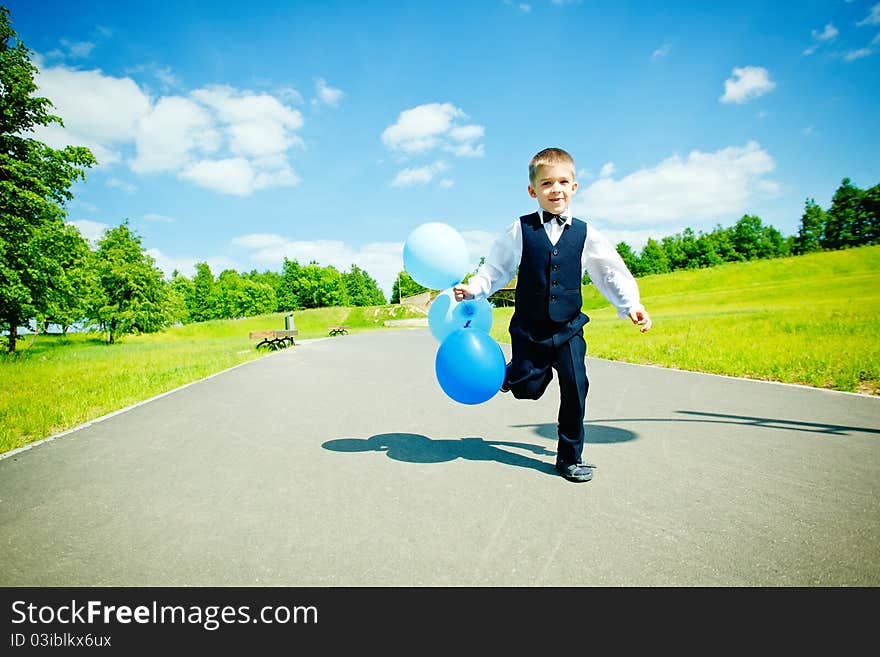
613	279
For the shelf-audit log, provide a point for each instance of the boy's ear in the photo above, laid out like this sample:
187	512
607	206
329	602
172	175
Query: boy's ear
532	192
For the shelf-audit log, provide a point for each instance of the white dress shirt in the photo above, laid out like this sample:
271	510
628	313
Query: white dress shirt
599	259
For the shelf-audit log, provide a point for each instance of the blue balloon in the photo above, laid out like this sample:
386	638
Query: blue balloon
470	366
435	256
446	315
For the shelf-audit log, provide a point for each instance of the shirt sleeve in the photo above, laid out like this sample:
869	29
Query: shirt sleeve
609	273
501	263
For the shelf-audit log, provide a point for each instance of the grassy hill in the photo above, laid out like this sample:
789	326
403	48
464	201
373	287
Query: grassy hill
808	319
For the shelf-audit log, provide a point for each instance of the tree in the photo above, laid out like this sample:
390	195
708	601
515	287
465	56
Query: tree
716	247
287	289
182	291
753	240
844	223
73	281
630	259
270	278
199	304
132	294
675	253
362	289
812	229
35	184
405	286
871	211
322	287
233	296
653	259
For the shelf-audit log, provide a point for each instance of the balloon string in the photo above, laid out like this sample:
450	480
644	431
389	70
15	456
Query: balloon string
468	324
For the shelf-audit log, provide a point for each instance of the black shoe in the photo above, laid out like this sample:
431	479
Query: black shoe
505	387
576	471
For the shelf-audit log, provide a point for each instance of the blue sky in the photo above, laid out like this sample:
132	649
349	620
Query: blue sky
240	133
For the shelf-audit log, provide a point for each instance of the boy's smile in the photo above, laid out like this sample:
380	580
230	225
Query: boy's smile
554	185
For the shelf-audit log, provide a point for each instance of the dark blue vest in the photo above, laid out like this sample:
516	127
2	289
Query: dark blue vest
548	286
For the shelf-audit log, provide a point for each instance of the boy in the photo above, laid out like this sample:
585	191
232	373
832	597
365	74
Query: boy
550	250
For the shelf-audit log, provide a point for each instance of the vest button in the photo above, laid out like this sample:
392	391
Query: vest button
555	267
553	298
555	283
555	251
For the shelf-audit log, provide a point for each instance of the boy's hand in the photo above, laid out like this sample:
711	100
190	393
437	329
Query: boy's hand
641	319
462	292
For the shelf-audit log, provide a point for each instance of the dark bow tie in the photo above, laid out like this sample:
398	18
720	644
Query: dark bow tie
548	216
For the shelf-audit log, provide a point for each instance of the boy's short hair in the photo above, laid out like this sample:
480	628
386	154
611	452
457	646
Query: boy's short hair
549	156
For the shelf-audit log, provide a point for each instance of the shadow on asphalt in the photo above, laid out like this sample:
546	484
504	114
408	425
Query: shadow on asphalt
415	448
593	433
743	420
600	433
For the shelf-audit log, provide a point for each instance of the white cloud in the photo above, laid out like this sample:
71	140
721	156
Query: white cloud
430	126
661	52
746	83
258	240
418	175
90	230
873	18
78	49
466	133
218	137
237	176
606	170
827	34
186	265
167	78
290	95
327	94
703	188
478	244
126	187
523	7
158	218
99	111
853	55
256	124
166	137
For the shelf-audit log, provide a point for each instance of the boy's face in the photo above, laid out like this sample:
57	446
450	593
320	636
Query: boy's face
554	185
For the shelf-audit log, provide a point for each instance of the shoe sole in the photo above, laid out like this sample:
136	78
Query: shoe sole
575	478
578	480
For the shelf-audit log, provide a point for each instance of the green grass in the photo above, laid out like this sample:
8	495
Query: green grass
807	320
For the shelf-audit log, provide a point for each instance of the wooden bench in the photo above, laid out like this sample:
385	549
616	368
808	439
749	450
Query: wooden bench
338	330
273	340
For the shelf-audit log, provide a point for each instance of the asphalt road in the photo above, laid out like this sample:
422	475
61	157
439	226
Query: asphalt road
340	462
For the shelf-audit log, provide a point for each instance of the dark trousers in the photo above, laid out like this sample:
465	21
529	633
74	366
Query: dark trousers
540	348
